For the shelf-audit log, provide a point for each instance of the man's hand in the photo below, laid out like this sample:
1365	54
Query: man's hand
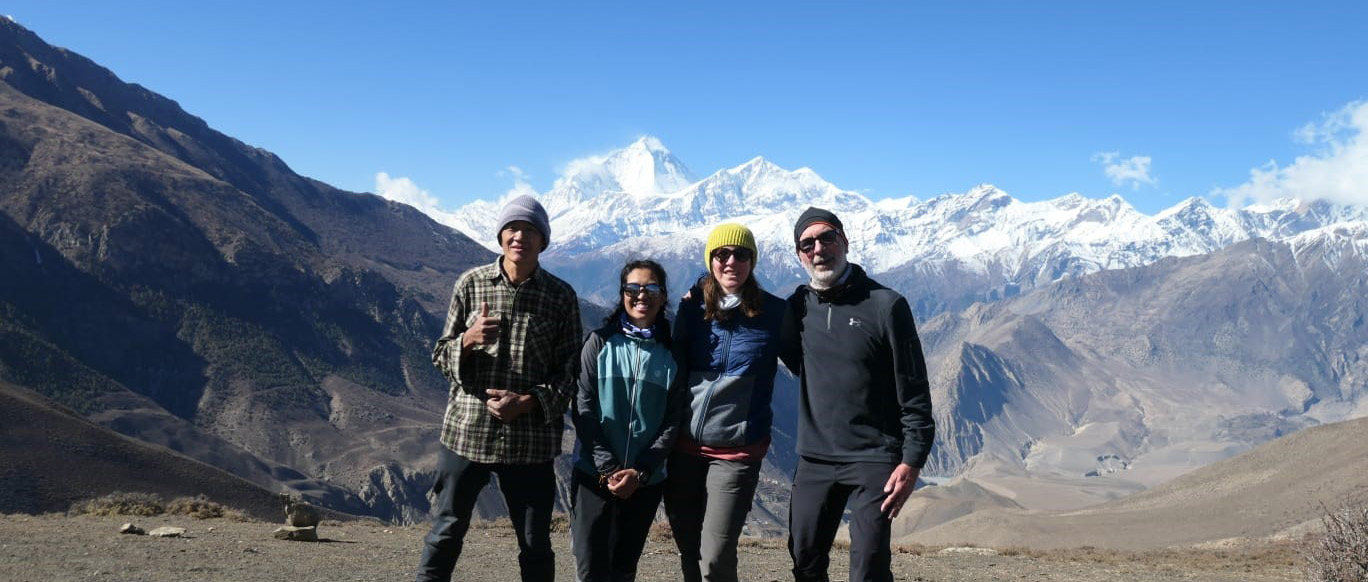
898	487
623	483
507	405
483	331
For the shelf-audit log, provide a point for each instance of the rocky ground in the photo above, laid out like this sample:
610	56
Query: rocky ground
57	547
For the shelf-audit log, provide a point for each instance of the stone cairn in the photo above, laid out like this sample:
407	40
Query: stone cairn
301	520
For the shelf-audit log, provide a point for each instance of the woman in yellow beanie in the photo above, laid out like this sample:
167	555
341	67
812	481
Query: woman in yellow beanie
726	339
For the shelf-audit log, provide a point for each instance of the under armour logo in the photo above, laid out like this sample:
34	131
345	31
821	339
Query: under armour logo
856	322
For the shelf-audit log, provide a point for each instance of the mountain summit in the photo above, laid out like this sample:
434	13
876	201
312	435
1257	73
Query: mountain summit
948	251
643	169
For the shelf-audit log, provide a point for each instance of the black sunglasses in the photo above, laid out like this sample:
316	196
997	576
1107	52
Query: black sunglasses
827	239
634	289
742	254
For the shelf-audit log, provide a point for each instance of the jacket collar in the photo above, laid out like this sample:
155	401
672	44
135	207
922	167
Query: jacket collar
498	273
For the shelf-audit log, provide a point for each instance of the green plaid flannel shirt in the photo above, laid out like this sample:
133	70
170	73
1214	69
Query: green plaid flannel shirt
537	353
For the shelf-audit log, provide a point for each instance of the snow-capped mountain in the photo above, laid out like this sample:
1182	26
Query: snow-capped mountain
642	202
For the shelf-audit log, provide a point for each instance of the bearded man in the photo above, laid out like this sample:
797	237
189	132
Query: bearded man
864	427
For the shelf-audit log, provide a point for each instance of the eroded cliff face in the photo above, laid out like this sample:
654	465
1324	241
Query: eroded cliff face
1142	374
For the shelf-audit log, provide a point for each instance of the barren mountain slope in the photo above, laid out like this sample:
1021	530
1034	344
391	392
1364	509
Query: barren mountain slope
50	457
1272	490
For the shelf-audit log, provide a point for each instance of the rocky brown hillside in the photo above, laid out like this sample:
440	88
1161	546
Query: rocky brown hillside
185	288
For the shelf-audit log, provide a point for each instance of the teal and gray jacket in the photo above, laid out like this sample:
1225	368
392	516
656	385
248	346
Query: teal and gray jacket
629	403
729	368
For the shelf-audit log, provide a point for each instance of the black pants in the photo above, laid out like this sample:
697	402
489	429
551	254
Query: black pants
529	491
820	492
608	533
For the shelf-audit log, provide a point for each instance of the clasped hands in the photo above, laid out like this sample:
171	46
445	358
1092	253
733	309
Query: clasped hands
623	482
507	405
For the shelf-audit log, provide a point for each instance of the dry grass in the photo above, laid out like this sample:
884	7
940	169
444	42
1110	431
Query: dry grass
779	544
120	503
1341	553
913	549
150	504
199	507
560	523
1249	558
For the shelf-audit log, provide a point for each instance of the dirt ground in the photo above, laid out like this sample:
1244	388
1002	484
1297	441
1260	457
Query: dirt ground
57	548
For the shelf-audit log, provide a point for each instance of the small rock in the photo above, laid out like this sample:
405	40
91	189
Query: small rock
968	551
209	530
131	529
297	534
167	532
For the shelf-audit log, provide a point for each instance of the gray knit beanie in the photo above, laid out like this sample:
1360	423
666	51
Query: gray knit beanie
525	208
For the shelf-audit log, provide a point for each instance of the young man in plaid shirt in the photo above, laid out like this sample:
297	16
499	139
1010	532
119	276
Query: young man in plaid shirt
509	350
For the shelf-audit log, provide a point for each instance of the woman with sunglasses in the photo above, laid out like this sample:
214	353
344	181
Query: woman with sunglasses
726	335
626	413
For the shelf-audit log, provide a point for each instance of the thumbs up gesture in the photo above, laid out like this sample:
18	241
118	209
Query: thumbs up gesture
484	330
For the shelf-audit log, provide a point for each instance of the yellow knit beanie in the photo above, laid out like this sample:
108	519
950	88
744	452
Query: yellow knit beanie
729	235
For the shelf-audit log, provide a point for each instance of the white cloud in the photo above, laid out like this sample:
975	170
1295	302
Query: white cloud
521	183
1337	171
400	189
1134	170
583	168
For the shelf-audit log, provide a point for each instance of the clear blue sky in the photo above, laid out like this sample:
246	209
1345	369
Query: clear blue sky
889	99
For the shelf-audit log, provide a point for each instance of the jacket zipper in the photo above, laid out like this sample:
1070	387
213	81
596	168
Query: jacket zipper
632	400
707	397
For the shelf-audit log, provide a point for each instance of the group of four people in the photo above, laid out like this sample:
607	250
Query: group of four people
680	412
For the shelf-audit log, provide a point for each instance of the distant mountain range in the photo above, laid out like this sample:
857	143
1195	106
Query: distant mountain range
948	252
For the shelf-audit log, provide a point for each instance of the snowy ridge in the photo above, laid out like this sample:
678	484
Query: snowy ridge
641	201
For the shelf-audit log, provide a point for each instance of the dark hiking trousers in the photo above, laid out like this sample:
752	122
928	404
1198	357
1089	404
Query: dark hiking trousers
530	492
820	492
607	533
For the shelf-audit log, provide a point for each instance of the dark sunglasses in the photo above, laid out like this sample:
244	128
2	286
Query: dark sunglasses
634	289
742	254
827	239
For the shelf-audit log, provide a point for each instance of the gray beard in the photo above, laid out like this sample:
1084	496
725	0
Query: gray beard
823	280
